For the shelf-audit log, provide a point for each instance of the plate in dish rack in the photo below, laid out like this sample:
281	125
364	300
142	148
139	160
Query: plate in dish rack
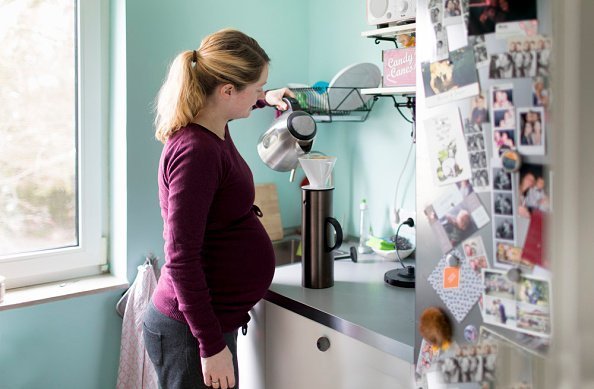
360	75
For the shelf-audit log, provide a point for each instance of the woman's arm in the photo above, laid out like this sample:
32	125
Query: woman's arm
274	98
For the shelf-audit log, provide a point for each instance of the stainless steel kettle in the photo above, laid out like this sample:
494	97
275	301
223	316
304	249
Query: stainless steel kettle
289	137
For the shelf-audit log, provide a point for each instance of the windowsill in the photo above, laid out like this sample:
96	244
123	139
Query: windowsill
31	295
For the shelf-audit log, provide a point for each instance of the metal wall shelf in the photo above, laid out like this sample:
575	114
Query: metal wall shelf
389	33
334	104
392	90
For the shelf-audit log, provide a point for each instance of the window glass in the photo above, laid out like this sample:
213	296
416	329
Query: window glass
38	126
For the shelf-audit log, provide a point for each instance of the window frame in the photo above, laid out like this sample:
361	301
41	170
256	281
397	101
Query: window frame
89	257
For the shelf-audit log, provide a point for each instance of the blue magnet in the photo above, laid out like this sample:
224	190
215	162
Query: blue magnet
470	333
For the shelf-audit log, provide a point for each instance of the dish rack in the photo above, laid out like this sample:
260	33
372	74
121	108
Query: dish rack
334	103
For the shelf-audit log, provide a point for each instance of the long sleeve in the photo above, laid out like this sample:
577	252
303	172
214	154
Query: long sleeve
193	175
219	260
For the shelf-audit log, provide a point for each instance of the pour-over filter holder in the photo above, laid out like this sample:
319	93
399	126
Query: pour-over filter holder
318	169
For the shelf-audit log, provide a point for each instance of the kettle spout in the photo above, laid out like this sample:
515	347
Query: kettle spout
306	146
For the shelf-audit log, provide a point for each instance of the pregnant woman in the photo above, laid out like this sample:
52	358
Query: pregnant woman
219	261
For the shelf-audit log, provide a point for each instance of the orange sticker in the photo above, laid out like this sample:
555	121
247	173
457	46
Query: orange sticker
451	277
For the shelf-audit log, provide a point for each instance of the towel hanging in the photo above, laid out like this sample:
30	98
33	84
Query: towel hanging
151	260
135	369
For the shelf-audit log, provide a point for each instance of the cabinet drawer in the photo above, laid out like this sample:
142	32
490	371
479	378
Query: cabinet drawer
294	357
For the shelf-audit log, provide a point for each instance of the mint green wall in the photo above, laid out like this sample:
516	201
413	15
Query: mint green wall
75	343
370	154
156	32
66	344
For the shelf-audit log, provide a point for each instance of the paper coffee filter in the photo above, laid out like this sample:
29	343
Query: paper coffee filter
318	169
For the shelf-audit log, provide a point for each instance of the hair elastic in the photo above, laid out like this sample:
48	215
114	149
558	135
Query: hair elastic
194	57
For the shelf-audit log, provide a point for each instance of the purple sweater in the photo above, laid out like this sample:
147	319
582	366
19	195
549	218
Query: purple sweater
219	260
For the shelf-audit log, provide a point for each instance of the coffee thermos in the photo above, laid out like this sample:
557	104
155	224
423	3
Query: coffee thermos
320	234
282	147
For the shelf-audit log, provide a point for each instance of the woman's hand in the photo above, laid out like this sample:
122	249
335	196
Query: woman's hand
218	371
275	98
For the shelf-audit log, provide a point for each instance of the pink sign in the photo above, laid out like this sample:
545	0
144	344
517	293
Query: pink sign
399	67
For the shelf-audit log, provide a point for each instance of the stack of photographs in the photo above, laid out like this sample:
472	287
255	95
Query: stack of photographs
441	48
522	306
503	118
478	160
526	56
469	363
503	209
479	46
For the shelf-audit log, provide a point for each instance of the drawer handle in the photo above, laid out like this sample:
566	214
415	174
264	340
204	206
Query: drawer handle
323	344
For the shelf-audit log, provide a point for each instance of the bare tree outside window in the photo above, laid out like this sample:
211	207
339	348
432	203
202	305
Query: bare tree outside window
38	125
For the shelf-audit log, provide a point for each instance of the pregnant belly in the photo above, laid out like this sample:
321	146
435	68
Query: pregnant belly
241	264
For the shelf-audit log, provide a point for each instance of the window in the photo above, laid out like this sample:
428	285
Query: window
52	137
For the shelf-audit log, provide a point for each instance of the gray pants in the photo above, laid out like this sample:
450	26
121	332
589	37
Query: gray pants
174	351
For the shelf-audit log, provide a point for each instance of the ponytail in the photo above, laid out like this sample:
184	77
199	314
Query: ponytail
227	56
178	98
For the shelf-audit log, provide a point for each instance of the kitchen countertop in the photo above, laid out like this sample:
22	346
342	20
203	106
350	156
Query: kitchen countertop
360	304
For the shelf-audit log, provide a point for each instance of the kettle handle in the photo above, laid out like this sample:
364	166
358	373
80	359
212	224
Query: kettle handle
338	230
293	103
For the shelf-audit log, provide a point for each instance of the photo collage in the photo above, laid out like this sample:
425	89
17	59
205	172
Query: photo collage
517	127
487	91
523	306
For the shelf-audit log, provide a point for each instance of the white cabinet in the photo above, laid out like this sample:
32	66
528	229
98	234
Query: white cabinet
251	350
294	361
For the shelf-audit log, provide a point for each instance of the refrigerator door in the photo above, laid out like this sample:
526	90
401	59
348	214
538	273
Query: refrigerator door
516	364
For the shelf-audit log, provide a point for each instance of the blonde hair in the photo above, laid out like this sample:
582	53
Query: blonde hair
224	57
